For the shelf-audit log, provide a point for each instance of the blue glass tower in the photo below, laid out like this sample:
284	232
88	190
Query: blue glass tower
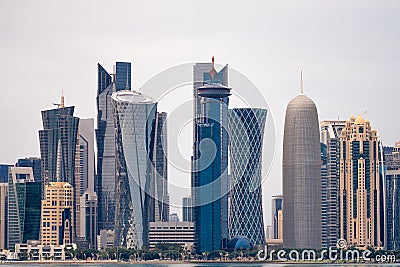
210	163
34	163
246	131
105	137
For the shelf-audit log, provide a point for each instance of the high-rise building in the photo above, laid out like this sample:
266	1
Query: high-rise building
4	172
3	215
392	179
57	214
34	163
330	153
24	203
105	137
210	183
301	170
277	217
360	194
88	218
160	202
246	132
135	116
187	209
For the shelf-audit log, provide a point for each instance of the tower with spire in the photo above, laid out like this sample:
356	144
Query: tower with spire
301	170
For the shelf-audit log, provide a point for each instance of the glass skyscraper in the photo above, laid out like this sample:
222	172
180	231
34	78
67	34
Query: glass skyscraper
24	205
210	164
246	132
392	173
135	116
34	163
277	217
105	137
330	152
160	205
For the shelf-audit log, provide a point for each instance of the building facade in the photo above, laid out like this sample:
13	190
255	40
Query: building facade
392	196
57	220
210	183
88	218
360	195
160	212
330	153
24	203
3	215
105	138
277	217
135	116
180	233
301	170
34	163
187	209
246	132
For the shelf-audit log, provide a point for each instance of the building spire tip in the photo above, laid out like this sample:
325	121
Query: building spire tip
301	83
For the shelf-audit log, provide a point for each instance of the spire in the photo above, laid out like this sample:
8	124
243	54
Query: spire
127	83
301	82
212	72
62	98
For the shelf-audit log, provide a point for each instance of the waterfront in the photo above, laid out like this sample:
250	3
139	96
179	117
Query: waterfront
210	264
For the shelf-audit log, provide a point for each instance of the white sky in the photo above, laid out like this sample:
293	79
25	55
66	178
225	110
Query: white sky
349	52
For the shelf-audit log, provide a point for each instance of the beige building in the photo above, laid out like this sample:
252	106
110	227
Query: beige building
3	215
360	192
57	214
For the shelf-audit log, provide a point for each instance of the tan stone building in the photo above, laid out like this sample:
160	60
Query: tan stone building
360	190
57	214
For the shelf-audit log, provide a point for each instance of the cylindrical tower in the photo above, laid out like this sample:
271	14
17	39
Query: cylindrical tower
301	170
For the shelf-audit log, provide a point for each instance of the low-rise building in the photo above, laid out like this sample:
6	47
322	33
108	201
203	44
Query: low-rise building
181	233
36	252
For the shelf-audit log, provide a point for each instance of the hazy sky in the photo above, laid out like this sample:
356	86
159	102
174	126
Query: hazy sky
349	52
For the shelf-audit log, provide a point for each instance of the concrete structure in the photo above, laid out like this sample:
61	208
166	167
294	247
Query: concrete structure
37	252
105	137
187	209
180	233
24	203
134	124
392	197
105	239
277	217
330	156
3	215
301	170
57	214
360	194
246	135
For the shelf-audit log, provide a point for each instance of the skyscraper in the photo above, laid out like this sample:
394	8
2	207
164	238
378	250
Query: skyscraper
277	217
24	202
330	151
360	185
56	227
246	132
34	163
301	170
4	172
160	205
105	137
209	166
392	173
88	218
3	215
58	142
135	116
187	209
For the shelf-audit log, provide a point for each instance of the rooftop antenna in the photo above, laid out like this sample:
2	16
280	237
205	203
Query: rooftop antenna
213	71
301	82
62	99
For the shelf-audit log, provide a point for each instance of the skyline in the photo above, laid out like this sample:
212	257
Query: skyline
355	54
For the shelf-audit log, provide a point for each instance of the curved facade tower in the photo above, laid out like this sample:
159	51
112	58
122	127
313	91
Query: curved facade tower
134	123
301	170
246	131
